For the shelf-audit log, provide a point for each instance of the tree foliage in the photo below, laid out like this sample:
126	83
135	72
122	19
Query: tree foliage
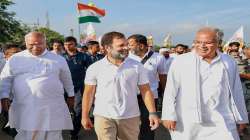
50	34
11	30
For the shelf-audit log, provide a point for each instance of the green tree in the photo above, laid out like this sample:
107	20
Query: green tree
50	34
18	37
11	30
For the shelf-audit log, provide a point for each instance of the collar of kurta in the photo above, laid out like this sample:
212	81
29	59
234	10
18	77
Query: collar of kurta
44	53
215	59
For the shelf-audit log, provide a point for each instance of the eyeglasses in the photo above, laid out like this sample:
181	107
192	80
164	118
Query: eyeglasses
207	43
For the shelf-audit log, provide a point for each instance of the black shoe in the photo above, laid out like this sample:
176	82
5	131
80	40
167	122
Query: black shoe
74	138
10	131
5	129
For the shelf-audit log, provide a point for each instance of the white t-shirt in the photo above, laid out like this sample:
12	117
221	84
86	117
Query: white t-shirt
155	65
116	90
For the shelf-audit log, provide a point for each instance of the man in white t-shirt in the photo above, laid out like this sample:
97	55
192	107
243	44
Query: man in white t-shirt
114	81
156	66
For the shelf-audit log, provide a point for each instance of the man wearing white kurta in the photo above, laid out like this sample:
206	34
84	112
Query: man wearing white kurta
2	63
38	78
203	98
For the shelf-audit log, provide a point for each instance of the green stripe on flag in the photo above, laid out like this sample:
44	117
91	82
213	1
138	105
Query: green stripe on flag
86	19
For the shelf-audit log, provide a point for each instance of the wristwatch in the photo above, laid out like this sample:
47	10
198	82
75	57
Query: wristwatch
153	113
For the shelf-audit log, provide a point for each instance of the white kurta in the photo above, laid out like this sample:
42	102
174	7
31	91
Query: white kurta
202	100
39	135
38	84
2	63
215	97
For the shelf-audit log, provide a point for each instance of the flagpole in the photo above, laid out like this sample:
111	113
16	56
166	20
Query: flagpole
79	26
79	31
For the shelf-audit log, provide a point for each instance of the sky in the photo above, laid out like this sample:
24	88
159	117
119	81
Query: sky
179	18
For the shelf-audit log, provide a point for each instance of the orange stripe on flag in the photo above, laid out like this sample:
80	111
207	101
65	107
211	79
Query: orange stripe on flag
86	7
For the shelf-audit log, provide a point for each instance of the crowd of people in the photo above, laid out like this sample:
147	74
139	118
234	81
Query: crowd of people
124	89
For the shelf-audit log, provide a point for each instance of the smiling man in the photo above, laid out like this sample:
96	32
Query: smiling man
38	79
206	101
114	81
157	70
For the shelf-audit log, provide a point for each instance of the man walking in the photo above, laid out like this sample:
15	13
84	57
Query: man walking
114	81
206	101
38	79
78	63
157	68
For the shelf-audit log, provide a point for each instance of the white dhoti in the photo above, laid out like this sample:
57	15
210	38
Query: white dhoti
38	135
217	118
194	131
208	108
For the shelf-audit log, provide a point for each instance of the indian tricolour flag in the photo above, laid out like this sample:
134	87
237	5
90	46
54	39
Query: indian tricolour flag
89	13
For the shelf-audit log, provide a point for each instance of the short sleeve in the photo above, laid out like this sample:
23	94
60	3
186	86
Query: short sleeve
162	66
91	74
143	76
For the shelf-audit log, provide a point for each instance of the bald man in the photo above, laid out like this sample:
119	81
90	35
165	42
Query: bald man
206	101
38	79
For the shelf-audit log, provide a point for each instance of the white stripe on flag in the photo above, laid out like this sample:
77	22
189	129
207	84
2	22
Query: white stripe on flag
83	13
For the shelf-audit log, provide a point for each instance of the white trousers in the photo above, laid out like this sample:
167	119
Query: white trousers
38	135
204	132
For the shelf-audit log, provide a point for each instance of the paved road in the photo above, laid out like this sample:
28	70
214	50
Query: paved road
161	134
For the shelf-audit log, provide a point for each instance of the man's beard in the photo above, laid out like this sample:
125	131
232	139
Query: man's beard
119	55
135	51
180	52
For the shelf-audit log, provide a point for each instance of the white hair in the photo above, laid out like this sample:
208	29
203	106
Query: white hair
34	33
218	32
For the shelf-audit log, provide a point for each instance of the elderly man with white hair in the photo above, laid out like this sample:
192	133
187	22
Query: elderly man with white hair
206	101
38	79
